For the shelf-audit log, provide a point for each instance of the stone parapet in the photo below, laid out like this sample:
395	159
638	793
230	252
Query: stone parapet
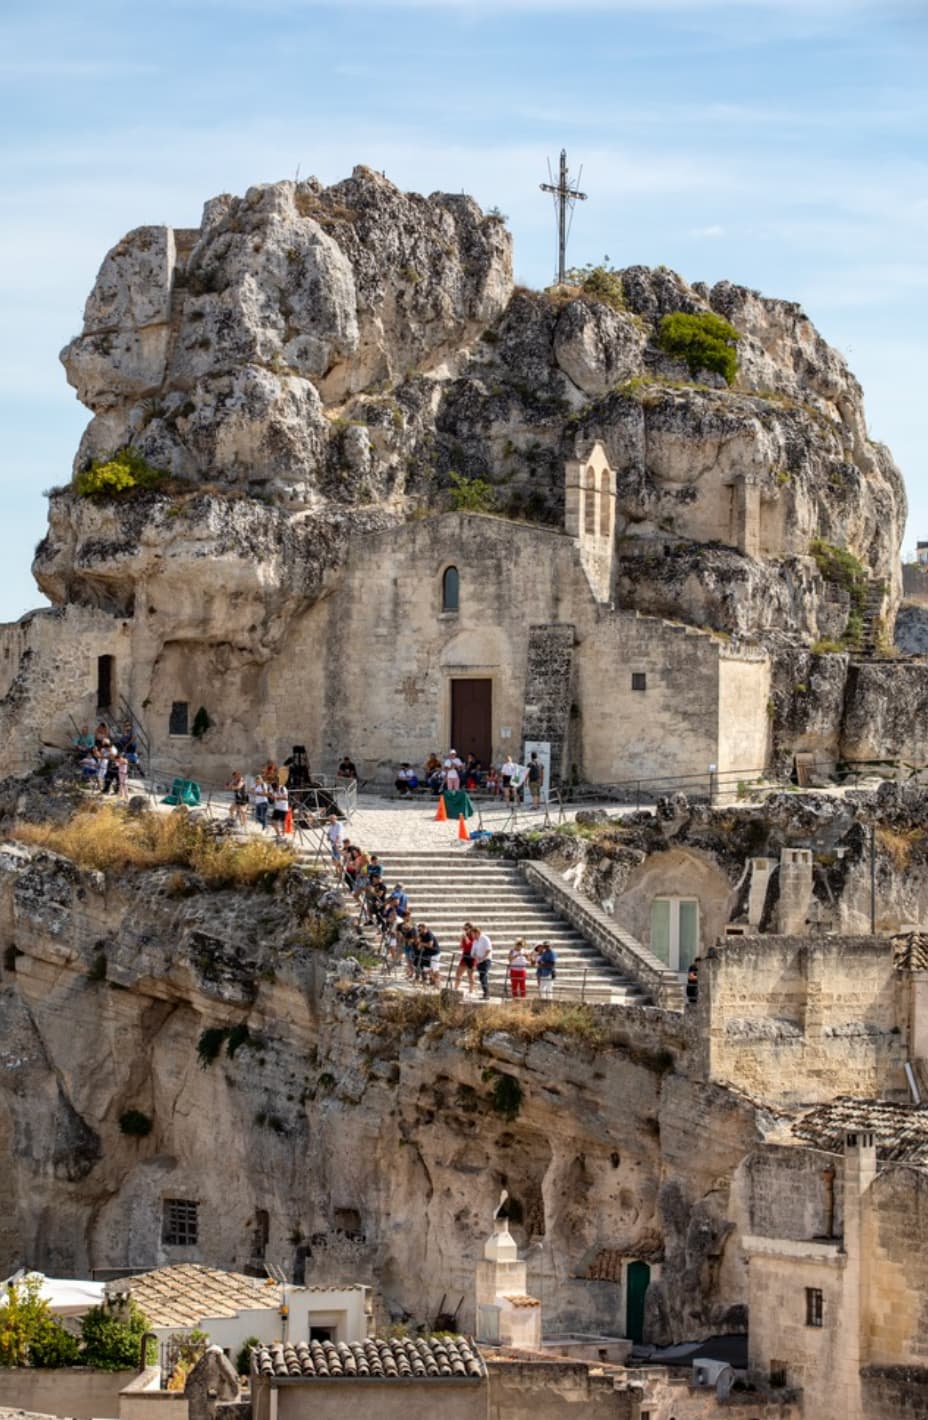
662	985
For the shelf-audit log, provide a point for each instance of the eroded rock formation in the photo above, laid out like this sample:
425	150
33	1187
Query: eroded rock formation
352	346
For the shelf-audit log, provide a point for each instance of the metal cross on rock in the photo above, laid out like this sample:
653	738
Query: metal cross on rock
565	197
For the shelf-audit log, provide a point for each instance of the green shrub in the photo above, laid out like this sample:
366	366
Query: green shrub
134	1123
703	340
243	1359
471	495
125	471
27	1326
53	1346
599	283
112	1335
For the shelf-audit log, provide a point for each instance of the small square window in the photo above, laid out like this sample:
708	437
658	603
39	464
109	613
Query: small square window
639	680
814	1307
180	1224
179	723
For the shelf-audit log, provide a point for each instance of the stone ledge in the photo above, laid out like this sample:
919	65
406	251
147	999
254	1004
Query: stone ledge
662	985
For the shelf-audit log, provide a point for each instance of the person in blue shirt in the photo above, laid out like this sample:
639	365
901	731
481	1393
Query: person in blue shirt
546	966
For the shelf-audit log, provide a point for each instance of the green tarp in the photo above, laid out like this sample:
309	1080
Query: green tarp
457	802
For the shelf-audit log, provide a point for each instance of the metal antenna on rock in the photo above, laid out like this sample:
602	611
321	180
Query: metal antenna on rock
565	199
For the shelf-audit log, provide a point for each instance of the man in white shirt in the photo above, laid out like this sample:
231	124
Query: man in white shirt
482	954
336	836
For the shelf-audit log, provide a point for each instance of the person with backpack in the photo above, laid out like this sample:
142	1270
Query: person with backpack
546	965
535	777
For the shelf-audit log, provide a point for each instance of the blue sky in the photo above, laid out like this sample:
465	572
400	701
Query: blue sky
779	143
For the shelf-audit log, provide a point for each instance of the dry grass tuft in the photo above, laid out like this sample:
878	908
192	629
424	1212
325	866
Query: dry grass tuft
899	843
570	1020
105	837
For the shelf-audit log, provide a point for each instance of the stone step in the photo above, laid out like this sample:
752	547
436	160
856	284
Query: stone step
448	886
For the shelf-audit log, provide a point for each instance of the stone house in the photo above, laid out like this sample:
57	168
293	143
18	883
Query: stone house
836	1273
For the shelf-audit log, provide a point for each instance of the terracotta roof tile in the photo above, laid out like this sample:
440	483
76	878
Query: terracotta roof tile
183	1293
607	1264
517	1299
901	1130
444	1358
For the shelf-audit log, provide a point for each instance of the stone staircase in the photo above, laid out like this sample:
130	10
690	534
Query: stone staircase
447	888
867	641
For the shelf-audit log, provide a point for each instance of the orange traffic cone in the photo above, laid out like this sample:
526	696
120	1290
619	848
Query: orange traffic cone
462	829
441	813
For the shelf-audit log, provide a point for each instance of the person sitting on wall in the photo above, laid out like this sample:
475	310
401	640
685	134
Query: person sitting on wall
471	773
433	774
491	781
346	770
101	734
83	740
406	782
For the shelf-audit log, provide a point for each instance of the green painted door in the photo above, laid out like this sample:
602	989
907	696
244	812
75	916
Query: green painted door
689	932
637	1278
660	928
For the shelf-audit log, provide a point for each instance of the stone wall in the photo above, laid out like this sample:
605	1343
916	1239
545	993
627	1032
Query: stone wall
794	1019
744	722
897	1272
76	1391
49	677
552	1390
388	1400
894	1392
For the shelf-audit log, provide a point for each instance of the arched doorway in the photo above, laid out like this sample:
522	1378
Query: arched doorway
637	1280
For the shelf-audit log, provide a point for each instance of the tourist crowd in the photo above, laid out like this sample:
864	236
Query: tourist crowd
504	781
107	757
414	946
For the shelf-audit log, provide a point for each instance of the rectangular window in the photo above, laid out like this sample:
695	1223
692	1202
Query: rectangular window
813	1306
639	680
180	1226
180	718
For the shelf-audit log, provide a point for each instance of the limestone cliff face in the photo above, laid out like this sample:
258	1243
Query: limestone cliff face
376	1148
342	350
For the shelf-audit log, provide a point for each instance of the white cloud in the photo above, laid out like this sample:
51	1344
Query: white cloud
707	233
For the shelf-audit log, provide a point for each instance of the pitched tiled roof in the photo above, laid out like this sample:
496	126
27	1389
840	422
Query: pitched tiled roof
901	1130
451	1358
180	1295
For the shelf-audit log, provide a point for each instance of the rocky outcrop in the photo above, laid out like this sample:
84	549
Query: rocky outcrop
352	346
